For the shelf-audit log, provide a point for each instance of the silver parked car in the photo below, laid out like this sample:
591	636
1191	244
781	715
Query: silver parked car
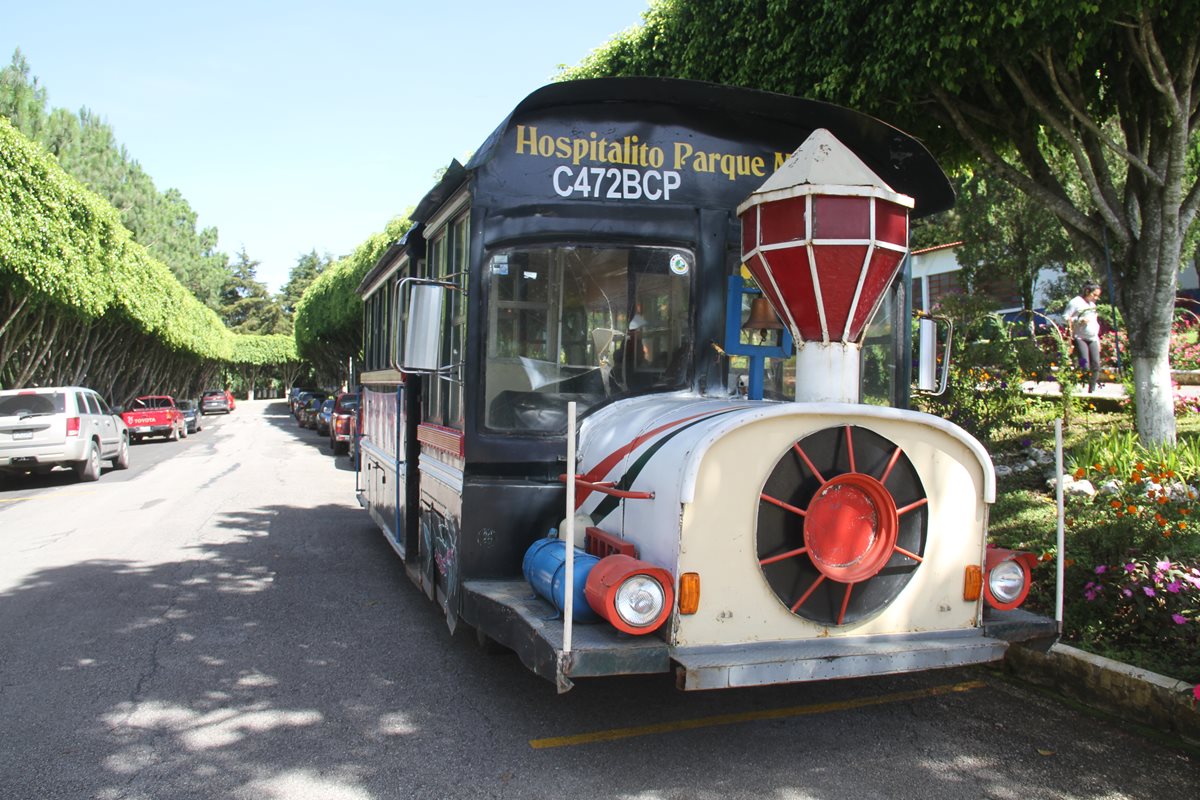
60	426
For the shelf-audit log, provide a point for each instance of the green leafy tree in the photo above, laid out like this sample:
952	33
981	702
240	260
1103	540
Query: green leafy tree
1109	84
1006	236
329	315
87	149
80	301
270	362
22	100
172	235
308	267
246	305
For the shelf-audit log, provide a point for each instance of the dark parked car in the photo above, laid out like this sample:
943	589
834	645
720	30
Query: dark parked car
306	414
296	396
216	400
323	416
191	414
344	412
302	399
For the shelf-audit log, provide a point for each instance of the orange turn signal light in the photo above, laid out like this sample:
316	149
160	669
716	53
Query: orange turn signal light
972	582
689	592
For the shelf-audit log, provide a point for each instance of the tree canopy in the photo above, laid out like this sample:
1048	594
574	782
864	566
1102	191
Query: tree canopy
1089	109
246	305
306	270
328	322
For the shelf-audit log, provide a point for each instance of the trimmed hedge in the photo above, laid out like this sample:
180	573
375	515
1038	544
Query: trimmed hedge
82	299
328	322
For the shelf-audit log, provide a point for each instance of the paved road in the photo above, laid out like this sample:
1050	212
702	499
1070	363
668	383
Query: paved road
223	621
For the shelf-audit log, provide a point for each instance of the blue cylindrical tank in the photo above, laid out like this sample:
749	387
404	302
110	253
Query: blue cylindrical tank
545	565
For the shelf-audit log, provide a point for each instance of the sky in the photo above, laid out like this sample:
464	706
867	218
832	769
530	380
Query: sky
294	126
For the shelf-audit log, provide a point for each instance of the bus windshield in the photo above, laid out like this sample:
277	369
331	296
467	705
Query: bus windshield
585	324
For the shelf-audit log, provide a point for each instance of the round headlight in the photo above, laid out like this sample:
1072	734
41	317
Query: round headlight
1006	581
635	596
640	600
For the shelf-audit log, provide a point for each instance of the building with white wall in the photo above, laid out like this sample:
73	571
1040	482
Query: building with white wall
935	274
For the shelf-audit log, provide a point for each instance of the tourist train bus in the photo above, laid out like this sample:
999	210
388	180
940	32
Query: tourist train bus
684	309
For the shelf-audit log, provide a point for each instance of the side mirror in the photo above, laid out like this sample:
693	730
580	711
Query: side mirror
423	333
928	381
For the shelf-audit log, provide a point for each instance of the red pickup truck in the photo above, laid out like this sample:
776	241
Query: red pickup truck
155	415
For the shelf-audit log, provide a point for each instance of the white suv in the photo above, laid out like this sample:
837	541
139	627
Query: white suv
60	426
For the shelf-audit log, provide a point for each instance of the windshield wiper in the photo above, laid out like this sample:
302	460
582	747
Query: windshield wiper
29	414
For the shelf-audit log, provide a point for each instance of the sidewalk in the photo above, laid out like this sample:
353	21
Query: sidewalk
1111	391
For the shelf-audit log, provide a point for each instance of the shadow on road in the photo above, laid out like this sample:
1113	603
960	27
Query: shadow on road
278	414
291	657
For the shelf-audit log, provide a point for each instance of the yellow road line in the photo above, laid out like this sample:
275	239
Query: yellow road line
749	716
43	496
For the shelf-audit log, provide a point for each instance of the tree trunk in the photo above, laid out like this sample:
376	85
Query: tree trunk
1155	404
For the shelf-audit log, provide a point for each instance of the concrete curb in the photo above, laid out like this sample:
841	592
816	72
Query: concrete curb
1132	694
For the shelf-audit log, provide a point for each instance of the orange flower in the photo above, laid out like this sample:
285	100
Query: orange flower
1079	473
1131	509
1162	500
1097	467
1135	477
1115	503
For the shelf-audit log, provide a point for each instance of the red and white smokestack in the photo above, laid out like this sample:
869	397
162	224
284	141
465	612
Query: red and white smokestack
824	237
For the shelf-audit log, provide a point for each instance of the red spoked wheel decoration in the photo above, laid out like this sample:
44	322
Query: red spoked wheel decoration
842	525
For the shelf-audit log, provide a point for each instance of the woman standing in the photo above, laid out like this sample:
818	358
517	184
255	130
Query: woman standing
1085	331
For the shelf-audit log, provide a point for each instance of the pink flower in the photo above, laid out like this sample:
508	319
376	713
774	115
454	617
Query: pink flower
1149	592
1173	587
1101	569
1180	619
1130	567
1163	565
1127	592
1196	692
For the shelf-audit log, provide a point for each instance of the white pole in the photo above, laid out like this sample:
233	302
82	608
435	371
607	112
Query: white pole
569	599
1058	463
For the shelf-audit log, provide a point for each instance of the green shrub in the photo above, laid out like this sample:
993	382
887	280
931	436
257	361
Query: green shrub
984	393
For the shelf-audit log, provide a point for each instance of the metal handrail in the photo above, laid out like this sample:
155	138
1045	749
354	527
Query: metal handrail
607	487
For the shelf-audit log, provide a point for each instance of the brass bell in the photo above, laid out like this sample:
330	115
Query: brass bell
762	316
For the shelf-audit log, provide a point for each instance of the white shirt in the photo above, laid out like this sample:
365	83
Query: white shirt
1081	314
